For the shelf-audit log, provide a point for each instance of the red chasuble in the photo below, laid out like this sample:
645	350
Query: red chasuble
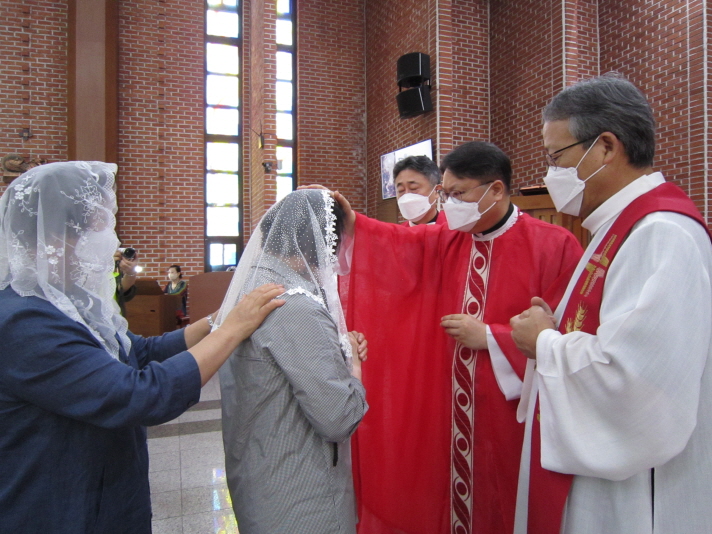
439	449
549	490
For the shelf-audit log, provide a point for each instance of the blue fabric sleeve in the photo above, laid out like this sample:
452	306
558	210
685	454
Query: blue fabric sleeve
158	348
55	363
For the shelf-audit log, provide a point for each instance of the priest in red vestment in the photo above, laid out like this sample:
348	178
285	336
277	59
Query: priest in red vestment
439	450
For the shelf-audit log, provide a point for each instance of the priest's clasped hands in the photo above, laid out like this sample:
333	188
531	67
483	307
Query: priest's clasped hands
527	326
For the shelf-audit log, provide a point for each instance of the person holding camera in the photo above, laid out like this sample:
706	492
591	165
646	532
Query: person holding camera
76	387
125	263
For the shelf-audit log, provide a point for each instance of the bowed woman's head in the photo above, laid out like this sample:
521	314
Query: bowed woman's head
303	224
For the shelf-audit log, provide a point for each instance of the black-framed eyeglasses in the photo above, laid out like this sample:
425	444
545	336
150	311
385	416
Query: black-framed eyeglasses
552	158
456	196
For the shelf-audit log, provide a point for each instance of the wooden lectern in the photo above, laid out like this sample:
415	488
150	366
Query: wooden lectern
151	312
542	207
207	291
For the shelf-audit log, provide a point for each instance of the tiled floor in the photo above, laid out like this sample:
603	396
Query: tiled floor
187	471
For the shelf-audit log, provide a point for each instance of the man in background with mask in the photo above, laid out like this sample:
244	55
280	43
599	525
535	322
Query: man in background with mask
439	451
417	181
625	384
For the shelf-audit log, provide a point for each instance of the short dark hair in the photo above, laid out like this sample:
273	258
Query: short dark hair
422	164
339	223
608	103
479	160
177	268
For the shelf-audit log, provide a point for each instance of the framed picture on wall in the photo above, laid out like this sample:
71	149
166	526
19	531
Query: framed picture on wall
388	188
389	160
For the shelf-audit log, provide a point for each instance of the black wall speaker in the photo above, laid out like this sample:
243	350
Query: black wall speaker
413	69
414	101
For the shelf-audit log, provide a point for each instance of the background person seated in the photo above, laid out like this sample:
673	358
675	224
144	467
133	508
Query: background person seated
177	286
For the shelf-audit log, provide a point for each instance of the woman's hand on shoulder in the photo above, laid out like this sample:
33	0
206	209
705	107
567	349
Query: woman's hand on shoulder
252	310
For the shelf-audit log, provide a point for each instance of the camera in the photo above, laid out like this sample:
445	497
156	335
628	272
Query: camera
128	253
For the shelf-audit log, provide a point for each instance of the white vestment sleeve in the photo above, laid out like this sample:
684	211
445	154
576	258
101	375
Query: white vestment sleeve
626	399
507	379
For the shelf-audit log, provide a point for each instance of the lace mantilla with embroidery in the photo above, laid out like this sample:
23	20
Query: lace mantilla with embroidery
57	242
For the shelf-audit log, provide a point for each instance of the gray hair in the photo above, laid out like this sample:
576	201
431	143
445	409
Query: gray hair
422	164
608	103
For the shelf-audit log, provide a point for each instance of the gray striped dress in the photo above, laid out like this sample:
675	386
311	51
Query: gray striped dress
290	406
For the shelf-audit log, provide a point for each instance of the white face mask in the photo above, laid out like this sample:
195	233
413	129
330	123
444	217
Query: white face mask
566	188
464	215
413	206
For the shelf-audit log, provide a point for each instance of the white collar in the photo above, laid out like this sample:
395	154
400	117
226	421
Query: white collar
618	202
499	231
437	214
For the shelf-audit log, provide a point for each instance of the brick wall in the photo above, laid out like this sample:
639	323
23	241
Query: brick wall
394	28
703	133
469	118
581	54
161	141
332	104
525	73
33	38
660	47
539	47
494	66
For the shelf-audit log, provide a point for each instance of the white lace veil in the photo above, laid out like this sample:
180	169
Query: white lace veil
57	242
294	245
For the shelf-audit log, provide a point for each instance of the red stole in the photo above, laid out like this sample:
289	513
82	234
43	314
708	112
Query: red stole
548	490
